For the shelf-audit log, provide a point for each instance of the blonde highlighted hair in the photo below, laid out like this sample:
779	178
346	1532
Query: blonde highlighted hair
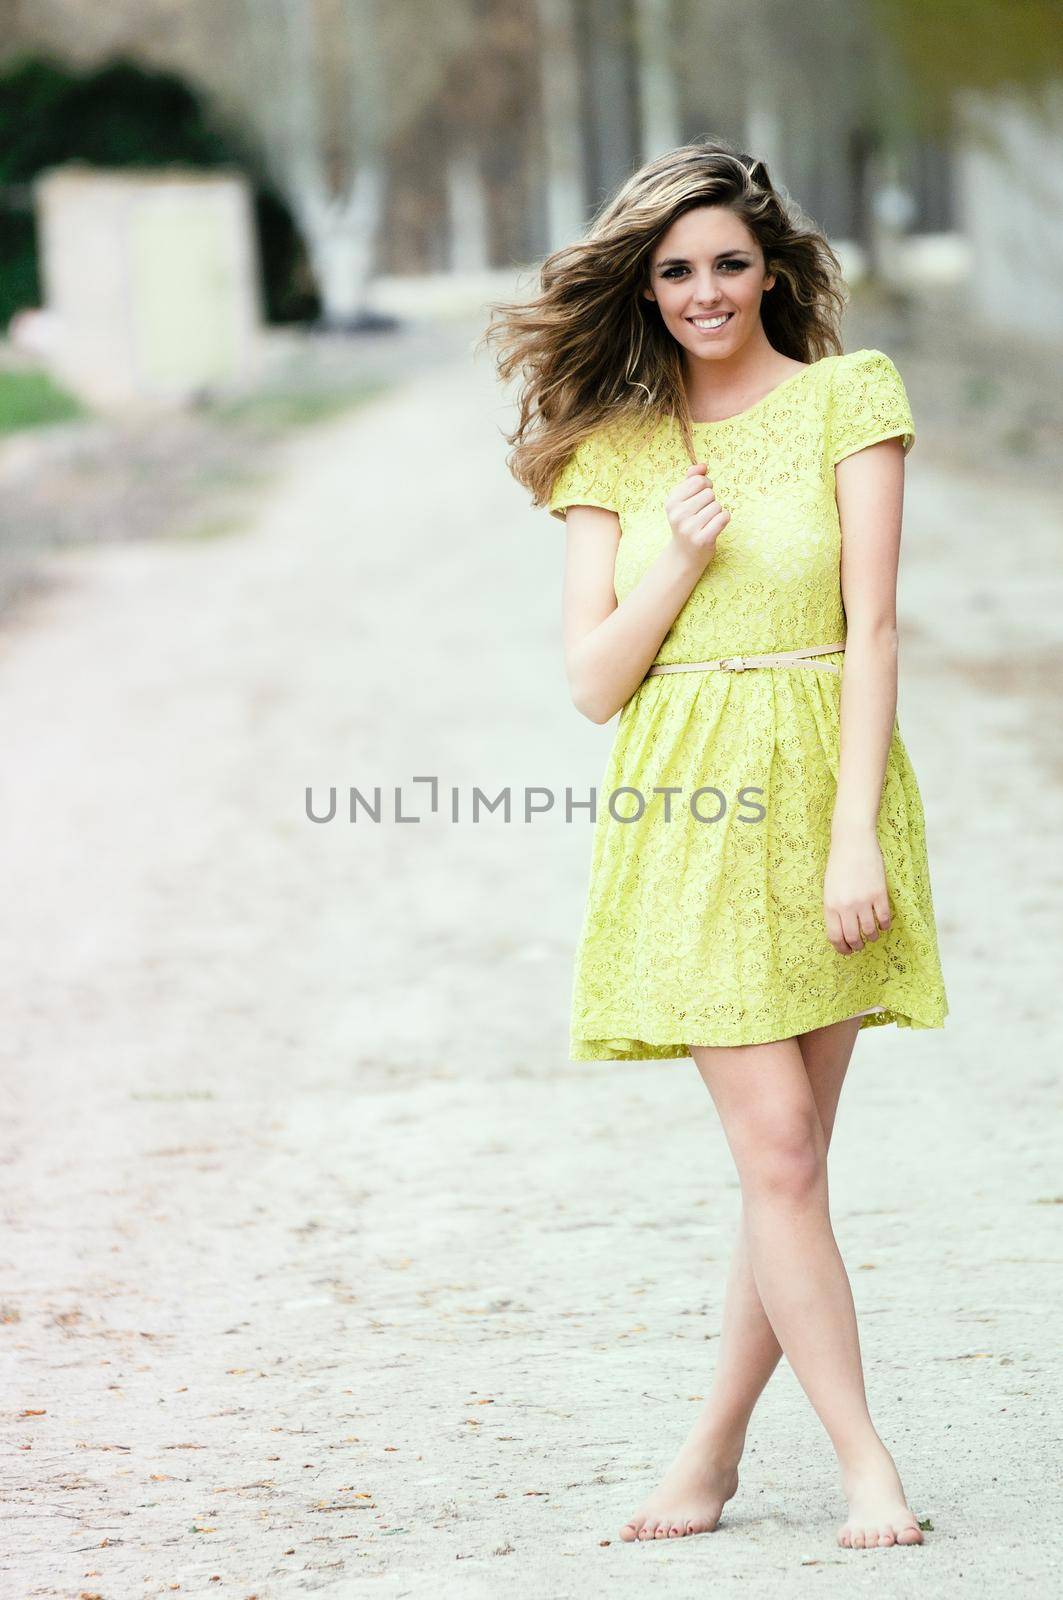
589	348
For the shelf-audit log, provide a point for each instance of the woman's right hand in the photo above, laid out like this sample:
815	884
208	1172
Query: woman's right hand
695	515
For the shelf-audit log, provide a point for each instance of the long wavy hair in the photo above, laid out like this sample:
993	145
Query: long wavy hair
590	349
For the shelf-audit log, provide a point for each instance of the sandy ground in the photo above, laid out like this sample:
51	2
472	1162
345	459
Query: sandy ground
324	1269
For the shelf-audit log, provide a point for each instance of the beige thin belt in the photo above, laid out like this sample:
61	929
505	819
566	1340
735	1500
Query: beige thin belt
782	658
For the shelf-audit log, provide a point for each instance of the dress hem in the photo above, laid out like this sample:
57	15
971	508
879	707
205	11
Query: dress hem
633	1045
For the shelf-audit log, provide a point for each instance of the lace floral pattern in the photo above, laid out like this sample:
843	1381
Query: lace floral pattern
700	931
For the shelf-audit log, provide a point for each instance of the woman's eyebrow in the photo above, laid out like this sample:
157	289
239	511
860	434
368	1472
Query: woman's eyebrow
681	261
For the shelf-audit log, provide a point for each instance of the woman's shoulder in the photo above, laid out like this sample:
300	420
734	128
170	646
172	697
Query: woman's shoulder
617	434
868	402
601	441
867	363
862	378
618	443
610	456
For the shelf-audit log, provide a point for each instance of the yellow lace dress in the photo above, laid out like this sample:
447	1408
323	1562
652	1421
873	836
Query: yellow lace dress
703	921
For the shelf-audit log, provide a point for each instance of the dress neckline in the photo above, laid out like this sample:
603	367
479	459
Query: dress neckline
718	422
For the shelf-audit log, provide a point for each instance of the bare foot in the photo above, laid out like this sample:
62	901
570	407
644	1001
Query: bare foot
879	1515
692	1493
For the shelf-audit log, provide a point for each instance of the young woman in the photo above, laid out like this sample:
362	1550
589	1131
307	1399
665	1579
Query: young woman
732	485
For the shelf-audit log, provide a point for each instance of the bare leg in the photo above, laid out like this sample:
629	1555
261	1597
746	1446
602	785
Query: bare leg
749	1350
704	1474
769	1115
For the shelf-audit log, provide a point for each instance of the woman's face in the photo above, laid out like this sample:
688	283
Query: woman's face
708	265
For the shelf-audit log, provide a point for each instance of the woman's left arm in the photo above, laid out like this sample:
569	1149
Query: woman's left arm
870	492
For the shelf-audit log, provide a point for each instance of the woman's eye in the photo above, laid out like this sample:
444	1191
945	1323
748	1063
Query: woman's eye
673	272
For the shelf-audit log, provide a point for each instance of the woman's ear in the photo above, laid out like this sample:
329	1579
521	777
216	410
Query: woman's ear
648	294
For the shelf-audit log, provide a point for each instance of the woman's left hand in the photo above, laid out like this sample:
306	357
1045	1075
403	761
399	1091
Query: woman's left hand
854	892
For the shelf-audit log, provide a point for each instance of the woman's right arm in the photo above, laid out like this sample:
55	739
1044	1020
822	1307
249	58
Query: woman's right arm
608	646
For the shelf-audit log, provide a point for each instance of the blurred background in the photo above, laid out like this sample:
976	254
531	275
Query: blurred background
251	209
307	1213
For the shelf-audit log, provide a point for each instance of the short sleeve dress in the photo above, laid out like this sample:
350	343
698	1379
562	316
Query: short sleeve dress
703	921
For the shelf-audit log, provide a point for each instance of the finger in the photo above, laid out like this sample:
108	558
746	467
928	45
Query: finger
865	919
710	526
696	483
702	538
881	909
697	466
833	925
851	930
692	524
707	520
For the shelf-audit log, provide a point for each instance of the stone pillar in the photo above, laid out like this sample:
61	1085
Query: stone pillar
151	278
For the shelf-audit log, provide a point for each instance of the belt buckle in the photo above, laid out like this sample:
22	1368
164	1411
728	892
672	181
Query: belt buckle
733	664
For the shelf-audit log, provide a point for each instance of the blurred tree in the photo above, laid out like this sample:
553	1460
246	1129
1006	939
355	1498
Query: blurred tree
609	56
562	122
478	102
813	90
503	118
328	87
658	78
120	116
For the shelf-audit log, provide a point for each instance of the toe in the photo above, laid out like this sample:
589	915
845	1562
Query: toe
630	1531
910	1535
870	1538
858	1539
661	1531
887	1535
845	1538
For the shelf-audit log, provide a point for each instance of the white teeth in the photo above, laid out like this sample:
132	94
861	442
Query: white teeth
710	322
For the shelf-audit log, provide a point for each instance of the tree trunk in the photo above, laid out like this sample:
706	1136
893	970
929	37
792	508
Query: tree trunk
467	211
558	66
340	232
658	92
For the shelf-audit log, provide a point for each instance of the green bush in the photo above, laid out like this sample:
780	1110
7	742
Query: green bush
28	399
123	115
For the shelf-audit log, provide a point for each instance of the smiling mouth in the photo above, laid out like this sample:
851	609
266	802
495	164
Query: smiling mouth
710	324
